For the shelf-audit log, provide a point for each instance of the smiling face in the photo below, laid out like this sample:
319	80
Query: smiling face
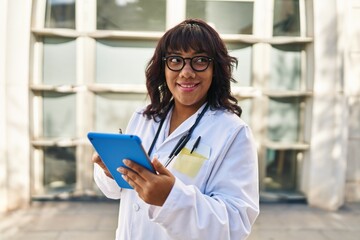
188	87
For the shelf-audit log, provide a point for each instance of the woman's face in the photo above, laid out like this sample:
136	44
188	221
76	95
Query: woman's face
189	87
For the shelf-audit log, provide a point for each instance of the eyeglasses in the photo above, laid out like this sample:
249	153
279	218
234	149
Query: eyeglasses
197	63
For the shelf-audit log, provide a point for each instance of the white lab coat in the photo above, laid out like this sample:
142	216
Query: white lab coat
217	200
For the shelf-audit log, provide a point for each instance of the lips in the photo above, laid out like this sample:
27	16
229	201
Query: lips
187	85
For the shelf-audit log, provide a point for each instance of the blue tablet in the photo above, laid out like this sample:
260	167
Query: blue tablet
113	148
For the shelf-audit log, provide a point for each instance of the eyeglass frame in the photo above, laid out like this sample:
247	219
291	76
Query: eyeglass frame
210	59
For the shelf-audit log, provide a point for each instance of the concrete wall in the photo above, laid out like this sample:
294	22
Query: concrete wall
334	167
15	18
327	166
3	165
352	89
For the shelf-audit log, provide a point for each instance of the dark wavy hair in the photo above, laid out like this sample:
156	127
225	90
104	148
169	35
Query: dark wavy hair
197	35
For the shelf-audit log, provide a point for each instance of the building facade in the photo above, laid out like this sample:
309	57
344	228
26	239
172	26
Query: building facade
68	67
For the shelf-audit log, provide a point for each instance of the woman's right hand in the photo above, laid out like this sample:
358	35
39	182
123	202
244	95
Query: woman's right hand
96	159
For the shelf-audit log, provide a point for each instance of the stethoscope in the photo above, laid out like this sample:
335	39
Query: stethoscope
183	140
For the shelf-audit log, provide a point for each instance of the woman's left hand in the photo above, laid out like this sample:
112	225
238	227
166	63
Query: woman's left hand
152	188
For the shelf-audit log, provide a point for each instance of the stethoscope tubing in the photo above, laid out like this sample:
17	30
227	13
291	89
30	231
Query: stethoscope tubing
183	140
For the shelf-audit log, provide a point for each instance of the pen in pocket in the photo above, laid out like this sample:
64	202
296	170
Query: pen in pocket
196	144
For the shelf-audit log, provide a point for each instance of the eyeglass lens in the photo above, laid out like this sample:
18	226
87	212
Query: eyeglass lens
198	63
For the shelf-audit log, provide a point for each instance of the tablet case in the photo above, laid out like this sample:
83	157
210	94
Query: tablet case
113	148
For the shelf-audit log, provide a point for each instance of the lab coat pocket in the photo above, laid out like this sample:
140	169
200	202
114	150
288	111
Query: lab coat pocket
189	163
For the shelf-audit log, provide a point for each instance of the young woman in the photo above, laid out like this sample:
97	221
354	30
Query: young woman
206	186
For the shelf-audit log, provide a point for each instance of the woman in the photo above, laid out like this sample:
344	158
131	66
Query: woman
206	186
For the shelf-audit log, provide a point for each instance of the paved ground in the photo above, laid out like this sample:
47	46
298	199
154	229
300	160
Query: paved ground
97	220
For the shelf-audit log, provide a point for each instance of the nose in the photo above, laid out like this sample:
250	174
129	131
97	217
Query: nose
187	71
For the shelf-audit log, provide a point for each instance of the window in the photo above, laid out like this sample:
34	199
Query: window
131	15
113	55
59	168
281	170
89	59
234	17
286	21
288	94
60	14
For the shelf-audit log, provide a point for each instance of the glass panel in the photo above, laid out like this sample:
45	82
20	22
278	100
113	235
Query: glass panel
246	106
60	14
131	15
233	17
59	168
122	62
242	73
283	119
59	61
286	68
113	111
59	115
281	170
286	18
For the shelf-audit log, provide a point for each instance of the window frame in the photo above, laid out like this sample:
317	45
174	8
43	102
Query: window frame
85	34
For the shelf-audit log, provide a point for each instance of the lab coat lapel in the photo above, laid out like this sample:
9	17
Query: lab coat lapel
180	131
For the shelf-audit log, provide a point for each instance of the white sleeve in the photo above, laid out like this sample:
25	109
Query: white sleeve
230	204
107	185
